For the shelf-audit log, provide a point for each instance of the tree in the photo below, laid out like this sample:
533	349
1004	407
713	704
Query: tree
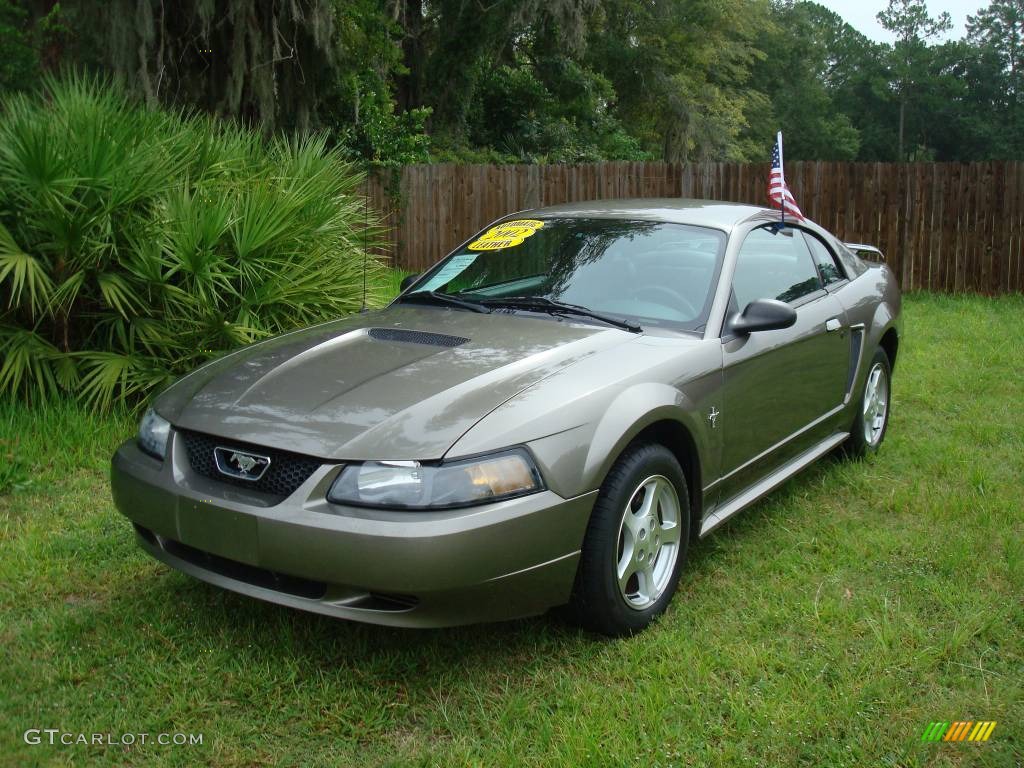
680	70
471	40
913	27
270	64
795	74
857	78
403	81
1000	27
19	62
26	40
998	32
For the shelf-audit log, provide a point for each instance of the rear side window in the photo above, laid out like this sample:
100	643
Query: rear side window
774	264
827	266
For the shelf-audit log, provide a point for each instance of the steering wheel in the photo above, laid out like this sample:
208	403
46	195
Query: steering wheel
667	298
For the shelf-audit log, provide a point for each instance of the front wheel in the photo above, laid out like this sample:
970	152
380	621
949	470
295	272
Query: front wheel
872	418
635	544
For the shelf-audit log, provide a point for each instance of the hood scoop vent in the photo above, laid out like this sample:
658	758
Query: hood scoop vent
416	337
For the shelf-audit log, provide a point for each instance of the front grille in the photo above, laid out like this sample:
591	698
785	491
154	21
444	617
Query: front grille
287	471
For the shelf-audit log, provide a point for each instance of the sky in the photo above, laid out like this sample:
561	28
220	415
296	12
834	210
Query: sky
861	15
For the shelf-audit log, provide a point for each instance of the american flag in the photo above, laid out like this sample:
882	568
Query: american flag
778	192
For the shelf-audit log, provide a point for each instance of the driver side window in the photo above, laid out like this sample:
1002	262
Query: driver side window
774	265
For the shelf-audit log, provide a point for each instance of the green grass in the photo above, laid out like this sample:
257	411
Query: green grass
826	627
392	282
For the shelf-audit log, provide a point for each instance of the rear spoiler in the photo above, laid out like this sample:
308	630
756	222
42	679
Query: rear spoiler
868	252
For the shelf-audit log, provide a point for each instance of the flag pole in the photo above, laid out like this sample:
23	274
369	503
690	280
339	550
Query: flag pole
782	177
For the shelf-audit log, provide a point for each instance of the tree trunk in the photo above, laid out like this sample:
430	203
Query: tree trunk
409	93
52	54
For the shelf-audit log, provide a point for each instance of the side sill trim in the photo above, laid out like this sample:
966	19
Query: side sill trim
770	482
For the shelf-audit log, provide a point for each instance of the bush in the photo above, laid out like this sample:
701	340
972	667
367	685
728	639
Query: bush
136	244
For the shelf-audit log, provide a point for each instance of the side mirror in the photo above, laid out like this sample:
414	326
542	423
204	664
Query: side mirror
763	315
408	280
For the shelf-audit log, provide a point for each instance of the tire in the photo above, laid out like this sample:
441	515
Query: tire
871	421
632	532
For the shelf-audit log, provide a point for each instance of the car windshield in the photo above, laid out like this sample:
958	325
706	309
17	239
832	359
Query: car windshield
648	273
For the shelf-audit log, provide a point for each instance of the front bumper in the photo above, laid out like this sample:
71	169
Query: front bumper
413	569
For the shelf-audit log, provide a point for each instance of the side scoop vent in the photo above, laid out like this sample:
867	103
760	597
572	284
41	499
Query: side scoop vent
416	337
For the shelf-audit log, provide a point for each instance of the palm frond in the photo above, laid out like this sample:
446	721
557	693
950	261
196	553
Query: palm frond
146	241
109	377
29	283
117	294
30	364
64	296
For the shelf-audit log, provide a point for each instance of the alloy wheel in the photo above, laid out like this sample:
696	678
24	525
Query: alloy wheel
876	404
648	542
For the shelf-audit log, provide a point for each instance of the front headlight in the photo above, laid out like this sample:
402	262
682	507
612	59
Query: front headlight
411	485
153	434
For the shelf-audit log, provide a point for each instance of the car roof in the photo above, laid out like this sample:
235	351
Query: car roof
676	210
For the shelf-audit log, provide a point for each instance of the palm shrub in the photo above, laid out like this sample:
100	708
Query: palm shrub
136	244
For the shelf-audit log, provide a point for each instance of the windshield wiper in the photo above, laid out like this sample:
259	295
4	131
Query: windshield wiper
543	304
434	297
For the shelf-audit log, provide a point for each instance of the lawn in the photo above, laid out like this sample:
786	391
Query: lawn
825	627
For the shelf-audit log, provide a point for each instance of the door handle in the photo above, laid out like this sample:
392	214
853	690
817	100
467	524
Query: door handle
833	324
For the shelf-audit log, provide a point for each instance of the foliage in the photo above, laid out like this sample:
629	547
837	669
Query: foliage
559	116
361	113
909	56
470	39
19	62
394	82
679	70
856	77
994	67
265	63
386	139
796	74
23	42
136	244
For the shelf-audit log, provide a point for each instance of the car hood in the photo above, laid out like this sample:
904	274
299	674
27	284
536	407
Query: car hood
402	383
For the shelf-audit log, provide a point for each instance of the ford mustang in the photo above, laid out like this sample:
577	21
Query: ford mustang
549	416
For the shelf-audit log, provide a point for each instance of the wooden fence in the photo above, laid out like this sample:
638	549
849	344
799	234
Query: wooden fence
942	226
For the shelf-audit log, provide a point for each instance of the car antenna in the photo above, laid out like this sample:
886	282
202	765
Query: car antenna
366	228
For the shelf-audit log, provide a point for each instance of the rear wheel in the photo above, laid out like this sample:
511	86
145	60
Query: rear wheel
635	544
872	418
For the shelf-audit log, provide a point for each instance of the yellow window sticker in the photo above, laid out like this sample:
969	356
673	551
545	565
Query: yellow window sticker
506	235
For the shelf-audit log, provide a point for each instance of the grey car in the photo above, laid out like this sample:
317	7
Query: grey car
549	416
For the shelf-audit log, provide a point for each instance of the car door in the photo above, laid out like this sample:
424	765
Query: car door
780	387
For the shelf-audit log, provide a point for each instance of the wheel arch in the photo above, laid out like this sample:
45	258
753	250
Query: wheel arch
887	321
652	413
675	436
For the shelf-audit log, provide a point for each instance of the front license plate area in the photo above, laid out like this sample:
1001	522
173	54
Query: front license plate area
220	531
